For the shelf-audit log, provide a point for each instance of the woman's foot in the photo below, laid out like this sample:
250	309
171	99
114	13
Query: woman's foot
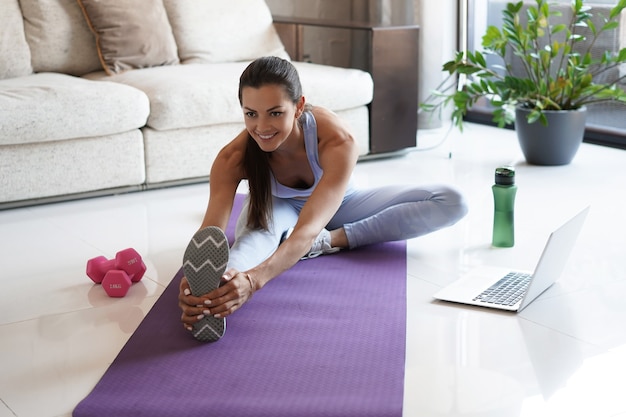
321	246
204	264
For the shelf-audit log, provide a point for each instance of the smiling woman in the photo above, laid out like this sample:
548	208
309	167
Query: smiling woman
298	160
273	122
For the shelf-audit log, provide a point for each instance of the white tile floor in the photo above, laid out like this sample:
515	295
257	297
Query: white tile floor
565	355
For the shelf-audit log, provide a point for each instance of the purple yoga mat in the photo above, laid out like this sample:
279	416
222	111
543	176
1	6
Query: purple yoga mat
326	338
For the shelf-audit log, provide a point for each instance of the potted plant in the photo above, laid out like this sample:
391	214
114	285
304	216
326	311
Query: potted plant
546	74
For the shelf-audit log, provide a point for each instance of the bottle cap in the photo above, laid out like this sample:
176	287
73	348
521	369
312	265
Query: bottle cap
505	175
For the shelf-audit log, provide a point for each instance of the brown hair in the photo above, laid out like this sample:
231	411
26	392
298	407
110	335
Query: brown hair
261	72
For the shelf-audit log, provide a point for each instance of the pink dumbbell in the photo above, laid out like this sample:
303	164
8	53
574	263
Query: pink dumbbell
117	275
127	260
116	283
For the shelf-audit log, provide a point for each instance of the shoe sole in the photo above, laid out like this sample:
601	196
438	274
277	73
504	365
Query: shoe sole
204	264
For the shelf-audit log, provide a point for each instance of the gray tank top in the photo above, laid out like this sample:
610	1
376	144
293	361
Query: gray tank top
309	128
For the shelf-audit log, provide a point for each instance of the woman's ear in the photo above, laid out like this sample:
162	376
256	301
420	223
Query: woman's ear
300	107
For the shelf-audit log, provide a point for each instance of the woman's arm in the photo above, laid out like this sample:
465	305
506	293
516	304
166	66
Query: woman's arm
226	174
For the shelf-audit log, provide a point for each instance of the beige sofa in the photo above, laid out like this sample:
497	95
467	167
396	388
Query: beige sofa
105	99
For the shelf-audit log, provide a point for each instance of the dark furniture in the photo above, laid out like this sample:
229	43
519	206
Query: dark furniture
392	62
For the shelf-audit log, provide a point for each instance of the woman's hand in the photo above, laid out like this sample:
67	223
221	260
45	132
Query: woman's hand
236	288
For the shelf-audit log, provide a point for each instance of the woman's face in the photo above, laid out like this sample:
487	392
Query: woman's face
269	114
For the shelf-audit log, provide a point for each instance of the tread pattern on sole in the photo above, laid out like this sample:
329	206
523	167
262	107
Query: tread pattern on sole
204	264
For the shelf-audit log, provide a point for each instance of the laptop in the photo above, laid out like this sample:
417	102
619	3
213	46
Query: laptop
509	290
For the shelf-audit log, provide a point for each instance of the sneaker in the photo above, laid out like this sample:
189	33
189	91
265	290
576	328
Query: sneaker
204	264
321	246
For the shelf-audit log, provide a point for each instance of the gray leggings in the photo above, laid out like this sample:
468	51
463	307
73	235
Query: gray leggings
370	216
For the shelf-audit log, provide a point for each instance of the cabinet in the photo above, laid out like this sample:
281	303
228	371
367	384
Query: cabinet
393	63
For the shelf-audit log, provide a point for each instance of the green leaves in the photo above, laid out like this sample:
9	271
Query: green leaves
615	11
554	69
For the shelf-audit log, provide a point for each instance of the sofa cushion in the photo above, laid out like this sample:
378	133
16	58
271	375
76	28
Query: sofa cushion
208	31
129	34
14	52
39	170
59	38
47	106
184	96
185	153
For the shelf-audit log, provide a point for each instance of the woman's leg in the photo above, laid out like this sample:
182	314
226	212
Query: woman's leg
397	213
251	247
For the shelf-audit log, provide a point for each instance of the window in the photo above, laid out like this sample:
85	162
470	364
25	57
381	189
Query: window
606	122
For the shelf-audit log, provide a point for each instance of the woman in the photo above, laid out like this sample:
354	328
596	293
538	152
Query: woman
298	160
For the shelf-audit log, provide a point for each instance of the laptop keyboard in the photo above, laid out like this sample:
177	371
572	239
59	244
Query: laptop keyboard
506	292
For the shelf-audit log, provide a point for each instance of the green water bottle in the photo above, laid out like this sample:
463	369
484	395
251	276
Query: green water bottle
504	191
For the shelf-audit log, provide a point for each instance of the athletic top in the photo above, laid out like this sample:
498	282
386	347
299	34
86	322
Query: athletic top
309	128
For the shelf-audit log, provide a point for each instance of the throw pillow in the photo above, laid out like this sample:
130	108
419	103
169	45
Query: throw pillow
59	38
14	52
130	34
209	31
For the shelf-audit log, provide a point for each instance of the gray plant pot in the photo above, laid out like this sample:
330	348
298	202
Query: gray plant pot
554	144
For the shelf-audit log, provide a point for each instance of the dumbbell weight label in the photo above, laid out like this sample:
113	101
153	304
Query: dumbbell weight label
116	283
134	265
